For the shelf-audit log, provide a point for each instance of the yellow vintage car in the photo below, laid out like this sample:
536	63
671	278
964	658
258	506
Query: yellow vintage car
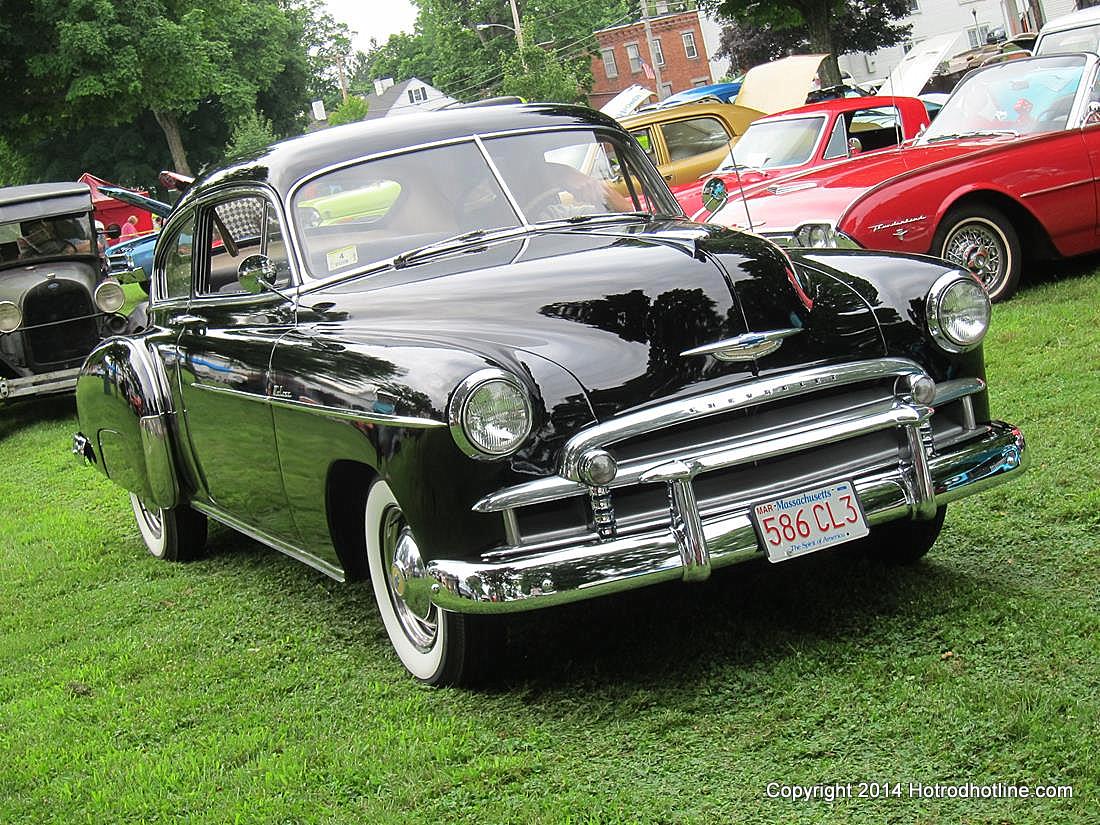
690	140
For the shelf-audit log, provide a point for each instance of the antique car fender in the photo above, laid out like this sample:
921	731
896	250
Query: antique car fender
126	420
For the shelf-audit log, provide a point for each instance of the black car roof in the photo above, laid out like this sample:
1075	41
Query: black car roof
40	200
288	161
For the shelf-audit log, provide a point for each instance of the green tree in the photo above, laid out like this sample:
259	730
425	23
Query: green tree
350	111
107	62
827	26
252	133
540	76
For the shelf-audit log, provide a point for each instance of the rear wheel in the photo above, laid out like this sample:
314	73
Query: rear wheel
435	646
983	241
176	534
905	541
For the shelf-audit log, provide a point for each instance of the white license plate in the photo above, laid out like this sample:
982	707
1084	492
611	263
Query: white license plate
809	521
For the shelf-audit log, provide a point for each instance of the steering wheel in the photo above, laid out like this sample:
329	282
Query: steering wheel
542	201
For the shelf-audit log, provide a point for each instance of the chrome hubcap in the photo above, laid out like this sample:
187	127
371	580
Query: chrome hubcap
407	582
980	249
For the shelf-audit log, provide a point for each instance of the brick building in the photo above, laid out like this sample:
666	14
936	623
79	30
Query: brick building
677	51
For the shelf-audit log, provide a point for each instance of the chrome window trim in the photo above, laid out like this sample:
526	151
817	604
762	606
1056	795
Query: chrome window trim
310	282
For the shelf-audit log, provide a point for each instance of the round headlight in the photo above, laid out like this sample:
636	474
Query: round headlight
109	296
490	414
958	312
10	317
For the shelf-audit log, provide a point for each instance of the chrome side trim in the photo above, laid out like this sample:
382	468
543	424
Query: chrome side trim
322	410
591	569
773	388
756	446
745	347
220	515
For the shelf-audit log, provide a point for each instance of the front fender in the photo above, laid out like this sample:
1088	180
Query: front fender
125	413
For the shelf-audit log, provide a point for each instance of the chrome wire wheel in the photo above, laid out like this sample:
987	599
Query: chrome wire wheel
407	583
981	247
983	241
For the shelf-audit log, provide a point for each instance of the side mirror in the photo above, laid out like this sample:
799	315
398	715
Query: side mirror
714	194
256	274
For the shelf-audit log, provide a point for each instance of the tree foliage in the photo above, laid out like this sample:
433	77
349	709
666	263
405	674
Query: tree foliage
351	110
541	76
835	27
163	82
451	52
252	133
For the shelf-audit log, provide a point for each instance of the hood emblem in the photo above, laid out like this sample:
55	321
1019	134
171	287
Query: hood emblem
745	347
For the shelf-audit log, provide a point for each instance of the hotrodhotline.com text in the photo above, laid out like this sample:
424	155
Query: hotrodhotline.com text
830	792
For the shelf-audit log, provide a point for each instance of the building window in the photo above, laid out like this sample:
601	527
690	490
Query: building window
689	45
658	52
914	7
418	95
609	67
977	35
634	57
666	90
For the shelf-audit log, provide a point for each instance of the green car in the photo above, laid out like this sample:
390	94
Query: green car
365	203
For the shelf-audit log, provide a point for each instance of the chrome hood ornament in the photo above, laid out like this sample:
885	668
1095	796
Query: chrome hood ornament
745	347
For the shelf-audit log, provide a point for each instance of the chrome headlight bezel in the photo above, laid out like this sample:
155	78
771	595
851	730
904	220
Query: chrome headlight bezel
109	296
821	235
938	316
464	431
13	312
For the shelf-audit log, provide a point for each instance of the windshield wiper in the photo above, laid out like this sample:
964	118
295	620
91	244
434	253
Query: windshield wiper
975	133
452	244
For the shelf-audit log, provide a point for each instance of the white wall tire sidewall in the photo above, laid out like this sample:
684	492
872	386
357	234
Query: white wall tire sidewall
422	665
156	544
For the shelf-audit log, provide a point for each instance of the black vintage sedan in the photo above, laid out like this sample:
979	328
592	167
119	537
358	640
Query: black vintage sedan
481	357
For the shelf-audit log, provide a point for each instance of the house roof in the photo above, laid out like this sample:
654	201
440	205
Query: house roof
395	99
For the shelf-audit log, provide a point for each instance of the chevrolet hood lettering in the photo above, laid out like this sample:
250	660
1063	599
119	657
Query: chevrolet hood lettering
745	347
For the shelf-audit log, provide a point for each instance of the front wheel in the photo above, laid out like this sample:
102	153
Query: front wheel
905	541
983	241
434	645
176	534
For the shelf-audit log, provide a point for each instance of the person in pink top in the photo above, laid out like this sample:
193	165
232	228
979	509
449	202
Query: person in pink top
129	229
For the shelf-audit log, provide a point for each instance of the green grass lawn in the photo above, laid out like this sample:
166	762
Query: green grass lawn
248	688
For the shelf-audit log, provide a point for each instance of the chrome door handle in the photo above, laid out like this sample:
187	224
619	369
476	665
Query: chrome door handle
187	320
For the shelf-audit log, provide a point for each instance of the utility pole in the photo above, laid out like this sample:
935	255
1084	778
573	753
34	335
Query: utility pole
649	48
343	77
519	30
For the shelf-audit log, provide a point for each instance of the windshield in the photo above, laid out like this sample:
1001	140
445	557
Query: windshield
50	237
1024	97
376	210
1081	39
776	143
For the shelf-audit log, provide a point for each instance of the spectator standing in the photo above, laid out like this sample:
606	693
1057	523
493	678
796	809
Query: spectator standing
129	229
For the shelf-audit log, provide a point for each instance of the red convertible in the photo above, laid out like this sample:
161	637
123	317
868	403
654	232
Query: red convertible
1008	169
808	136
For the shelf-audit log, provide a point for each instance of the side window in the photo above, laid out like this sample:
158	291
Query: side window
177	262
838	141
645	139
235	229
1092	108
686	138
872	129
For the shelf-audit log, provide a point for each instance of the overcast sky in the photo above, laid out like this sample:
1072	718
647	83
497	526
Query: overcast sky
373	18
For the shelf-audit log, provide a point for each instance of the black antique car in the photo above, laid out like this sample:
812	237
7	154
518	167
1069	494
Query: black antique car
481	357
55	304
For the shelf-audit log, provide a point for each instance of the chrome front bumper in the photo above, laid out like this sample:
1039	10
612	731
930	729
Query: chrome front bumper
584	571
47	383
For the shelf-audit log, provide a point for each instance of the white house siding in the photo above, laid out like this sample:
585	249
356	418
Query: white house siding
934	17
712	36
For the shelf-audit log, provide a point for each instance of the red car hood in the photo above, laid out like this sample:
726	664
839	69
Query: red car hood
824	193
